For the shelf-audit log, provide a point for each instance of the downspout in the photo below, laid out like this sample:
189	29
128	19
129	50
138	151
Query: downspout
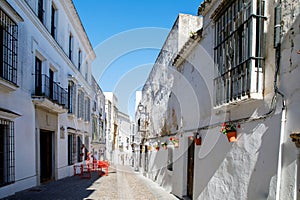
277	45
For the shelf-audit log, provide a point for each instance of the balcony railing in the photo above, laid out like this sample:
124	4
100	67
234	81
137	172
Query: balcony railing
46	87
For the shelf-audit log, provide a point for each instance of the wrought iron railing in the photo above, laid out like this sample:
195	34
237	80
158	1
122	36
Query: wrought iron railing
46	87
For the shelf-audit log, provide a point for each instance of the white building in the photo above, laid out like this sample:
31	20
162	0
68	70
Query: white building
98	123
124	134
45	92
230	70
111	111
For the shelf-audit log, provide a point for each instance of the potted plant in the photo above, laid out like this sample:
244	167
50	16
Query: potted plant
197	139
229	129
175	141
157	147
164	145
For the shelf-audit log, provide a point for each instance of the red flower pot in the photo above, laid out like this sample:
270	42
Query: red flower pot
198	141
231	136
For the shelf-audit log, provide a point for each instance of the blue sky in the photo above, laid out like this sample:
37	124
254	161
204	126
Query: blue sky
127	36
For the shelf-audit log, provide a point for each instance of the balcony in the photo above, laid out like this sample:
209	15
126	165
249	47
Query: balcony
49	95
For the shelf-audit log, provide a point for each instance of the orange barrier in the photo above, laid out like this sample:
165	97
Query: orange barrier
104	165
95	166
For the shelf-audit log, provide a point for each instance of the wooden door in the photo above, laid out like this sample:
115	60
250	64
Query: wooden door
190	169
46	156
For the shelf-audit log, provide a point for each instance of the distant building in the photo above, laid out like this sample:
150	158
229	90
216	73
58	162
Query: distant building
124	134
98	123
111	111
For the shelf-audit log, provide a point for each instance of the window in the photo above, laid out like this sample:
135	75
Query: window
41	10
79	150
79	59
8	48
38	76
71	149
71	97
80	105
53	21
7	152
70	46
238	50
87	146
170	159
94	129
87	110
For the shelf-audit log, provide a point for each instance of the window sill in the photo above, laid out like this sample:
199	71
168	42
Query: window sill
252	97
7	86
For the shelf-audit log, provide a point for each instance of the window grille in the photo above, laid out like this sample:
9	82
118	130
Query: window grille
70	46
238	51
79	59
71	149
71	97
79	150
53	21
7	152
8	48
80	104
87	110
41	10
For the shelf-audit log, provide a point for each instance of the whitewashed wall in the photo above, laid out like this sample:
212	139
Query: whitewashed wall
35	39
247	168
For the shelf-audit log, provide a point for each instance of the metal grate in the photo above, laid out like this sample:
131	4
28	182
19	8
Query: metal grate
71	149
7	152
238	46
8	48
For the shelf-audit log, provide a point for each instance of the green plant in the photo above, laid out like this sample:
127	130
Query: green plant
174	140
164	144
228	127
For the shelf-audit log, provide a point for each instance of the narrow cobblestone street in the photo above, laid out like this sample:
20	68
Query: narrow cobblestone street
121	183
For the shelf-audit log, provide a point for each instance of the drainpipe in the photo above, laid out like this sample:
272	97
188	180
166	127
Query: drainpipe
277	46
280	154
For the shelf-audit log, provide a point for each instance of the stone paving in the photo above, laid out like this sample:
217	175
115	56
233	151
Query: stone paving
121	183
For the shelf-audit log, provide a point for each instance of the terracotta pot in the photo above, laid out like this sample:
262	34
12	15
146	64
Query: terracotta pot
164	146
198	141
231	136
176	144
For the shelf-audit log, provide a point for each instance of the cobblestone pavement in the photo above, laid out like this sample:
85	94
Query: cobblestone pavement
121	183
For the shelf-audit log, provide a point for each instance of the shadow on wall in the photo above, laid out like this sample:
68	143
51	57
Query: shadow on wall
266	164
158	169
242	169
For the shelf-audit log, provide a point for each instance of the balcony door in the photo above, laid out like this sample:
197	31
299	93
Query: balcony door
38	76
51	82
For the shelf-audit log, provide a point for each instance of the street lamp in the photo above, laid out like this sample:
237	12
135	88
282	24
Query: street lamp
143	122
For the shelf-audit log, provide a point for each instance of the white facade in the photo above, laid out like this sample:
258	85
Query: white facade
124	137
111	111
189	99
48	107
98	123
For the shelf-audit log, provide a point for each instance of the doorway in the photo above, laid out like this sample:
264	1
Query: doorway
190	169
46	156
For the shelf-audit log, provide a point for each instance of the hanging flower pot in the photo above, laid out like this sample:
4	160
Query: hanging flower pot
229	129
164	145
198	141
231	136
175	141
